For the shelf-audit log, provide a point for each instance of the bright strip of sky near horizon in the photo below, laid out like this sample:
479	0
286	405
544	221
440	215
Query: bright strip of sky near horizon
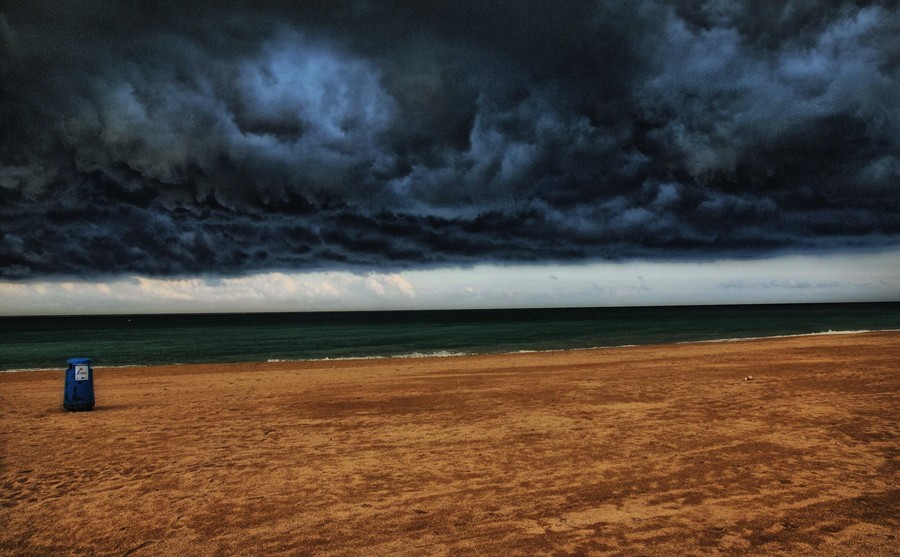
857	277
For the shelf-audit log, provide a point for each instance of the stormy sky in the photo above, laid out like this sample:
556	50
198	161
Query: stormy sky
169	140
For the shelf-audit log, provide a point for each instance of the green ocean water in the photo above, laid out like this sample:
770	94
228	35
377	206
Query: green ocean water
46	342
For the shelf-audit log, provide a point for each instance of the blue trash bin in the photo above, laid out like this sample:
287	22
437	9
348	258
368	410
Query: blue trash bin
79	391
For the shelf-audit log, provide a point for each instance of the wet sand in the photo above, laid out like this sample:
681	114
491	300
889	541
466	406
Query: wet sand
663	450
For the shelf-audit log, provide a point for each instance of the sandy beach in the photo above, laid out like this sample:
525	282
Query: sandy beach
661	450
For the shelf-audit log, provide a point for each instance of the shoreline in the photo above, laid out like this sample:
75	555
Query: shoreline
453	354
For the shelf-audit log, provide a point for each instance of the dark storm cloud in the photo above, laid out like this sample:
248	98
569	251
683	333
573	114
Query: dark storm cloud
166	140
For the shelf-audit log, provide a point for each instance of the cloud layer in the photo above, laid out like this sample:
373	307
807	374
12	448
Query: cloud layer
169	141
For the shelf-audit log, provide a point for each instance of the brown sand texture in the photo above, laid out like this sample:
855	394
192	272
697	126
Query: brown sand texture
662	450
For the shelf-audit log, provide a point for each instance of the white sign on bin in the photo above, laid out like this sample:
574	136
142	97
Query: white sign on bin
81	373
